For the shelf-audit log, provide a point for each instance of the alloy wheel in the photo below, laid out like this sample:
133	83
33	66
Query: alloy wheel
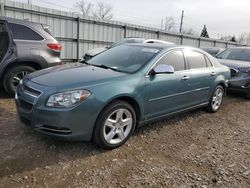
118	126
18	77
217	98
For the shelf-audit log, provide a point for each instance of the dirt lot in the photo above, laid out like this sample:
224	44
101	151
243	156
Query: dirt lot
191	150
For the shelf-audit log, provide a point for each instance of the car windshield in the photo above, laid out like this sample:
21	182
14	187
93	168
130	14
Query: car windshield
240	54
126	58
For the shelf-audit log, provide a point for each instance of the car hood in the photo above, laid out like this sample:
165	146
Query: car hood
235	64
95	51
73	75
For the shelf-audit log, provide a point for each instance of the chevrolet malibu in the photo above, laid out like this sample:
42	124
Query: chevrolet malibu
106	98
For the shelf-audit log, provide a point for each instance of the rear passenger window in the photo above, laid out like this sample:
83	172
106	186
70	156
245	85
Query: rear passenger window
175	59
209	64
22	32
196	60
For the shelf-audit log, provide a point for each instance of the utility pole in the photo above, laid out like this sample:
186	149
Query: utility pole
182	16
161	24
166	25
29	2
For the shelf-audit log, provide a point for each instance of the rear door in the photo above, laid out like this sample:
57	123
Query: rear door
7	46
202	76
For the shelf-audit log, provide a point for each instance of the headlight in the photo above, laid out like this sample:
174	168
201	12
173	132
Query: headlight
67	99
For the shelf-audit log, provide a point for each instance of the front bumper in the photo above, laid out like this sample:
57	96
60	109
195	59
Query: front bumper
75	123
240	85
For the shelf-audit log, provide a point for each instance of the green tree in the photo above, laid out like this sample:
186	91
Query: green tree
233	39
204	32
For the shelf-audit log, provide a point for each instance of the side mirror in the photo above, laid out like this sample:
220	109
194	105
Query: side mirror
162	69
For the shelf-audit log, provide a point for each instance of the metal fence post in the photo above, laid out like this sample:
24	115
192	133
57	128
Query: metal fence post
199	42
215	43
158	34
125	31
2	12
181	39
78	38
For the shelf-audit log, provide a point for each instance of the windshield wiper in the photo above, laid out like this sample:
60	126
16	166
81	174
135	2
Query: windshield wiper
85	62
106	67
102	66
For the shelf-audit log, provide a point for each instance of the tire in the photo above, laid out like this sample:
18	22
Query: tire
216	100
17	72
247	96
110	132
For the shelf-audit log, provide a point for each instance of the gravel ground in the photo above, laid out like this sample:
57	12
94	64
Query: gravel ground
196	149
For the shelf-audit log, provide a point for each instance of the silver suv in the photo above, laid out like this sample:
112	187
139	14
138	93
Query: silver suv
24	48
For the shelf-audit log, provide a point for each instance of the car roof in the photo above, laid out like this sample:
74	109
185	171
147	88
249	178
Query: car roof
144	40
166	47
154	45
156	41
19	21
216	48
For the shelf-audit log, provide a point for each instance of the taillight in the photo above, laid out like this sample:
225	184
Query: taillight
55	47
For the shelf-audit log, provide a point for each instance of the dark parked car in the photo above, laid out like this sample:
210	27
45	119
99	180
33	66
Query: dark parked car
24	48
124	87
93	52
238	60
214	51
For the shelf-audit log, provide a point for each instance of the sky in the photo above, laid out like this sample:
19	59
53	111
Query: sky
222	17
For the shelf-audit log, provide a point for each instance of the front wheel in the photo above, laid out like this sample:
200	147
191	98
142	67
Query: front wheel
115	125
13	76
247	96
216	99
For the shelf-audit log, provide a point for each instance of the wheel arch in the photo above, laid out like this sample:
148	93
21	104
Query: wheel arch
33	64
126	98
130	100
224	85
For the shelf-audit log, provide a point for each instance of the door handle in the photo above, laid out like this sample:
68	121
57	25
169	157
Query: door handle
185	78
213	73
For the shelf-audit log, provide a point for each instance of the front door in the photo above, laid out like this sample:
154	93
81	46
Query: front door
167	93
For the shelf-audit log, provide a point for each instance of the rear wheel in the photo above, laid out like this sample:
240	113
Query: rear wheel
216	99
115	125
13	76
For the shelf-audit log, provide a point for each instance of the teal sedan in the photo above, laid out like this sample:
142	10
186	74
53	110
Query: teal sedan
106	98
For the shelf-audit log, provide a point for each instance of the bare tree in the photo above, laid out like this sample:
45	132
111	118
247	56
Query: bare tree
169	23
190	31
103	11
84	7
244	38
230	38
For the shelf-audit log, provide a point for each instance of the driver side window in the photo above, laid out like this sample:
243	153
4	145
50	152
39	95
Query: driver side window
175	59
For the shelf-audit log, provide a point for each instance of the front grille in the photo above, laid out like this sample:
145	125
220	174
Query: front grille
25	105
233	73
31	91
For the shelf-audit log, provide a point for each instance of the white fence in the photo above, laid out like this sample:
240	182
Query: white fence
77	34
